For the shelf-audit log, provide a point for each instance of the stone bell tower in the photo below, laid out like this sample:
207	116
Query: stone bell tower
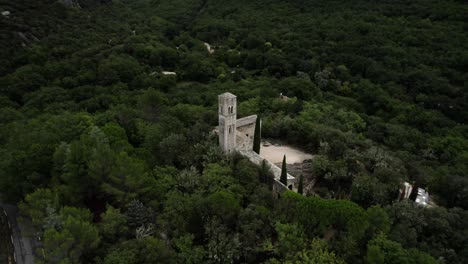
227	109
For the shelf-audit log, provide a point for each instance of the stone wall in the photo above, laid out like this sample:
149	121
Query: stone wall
238	134
245	132
257	159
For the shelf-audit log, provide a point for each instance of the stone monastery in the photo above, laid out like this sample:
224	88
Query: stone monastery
236	135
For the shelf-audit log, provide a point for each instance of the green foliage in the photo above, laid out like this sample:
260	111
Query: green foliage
300	187
74	237
222	247
266	176
375	255
255	229
320	216
221	204
411	223
382	250
114	162
318	253
257	136
35	205
138	214
379	222
113	224
117	68
187	252
146	250
290	239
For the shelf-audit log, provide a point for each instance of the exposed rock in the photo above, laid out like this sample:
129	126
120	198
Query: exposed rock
6	13
168	73
208	48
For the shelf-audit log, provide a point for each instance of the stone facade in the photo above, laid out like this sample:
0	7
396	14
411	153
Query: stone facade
227	112
234	134
245	132
238	135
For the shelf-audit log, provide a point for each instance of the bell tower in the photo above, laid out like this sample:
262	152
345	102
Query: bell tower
227	112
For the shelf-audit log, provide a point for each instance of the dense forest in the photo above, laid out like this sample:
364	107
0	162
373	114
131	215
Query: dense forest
114	162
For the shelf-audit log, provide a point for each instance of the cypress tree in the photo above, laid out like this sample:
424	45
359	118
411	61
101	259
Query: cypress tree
284	173
257	136
263	171
266	176
300	188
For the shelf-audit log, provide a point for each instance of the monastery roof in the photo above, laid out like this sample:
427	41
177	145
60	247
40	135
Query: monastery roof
246	121
227	95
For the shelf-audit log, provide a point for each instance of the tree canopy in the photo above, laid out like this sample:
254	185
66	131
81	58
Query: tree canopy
107	110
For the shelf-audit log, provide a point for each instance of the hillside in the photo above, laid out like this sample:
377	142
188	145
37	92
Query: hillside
102	147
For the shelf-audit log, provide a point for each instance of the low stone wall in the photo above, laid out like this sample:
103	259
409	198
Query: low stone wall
277	186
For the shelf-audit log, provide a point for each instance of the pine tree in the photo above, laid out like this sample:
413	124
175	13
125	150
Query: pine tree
284	173
138	214
300	188
257	136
